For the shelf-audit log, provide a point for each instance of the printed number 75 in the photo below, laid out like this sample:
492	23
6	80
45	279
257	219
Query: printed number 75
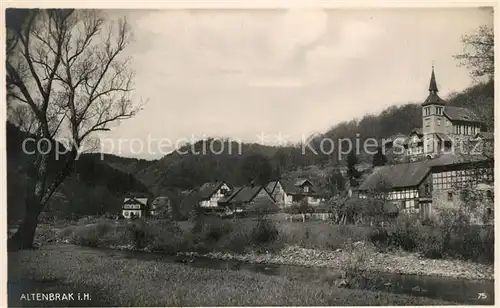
482	296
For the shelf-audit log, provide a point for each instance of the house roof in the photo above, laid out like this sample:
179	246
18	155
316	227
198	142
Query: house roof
433	99
246	194
290	186
227	199
271	186
417	131
460	114
208	189
143	201
411	174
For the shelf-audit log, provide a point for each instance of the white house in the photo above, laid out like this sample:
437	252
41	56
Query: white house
134	207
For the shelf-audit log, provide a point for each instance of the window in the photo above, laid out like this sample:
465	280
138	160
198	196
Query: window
306	188
439	121
427	188
450	196
447	123
427	111
439	110
427	122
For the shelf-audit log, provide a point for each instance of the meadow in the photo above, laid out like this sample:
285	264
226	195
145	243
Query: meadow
114	280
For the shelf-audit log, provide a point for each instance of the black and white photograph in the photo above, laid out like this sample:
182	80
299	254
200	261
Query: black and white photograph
248	156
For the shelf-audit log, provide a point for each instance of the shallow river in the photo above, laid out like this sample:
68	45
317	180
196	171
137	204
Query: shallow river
476	292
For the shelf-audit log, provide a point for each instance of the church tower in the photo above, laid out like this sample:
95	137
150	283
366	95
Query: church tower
433	121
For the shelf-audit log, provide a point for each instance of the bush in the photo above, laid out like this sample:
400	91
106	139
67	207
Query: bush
450	235
157	235
264	232
92	235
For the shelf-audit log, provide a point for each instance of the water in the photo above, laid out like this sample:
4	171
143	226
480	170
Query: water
462	291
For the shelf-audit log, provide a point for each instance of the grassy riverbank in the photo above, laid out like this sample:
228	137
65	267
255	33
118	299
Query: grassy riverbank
119	281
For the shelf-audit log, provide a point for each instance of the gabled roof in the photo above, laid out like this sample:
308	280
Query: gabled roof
208	189
411	174
143	201
247	194
227	199
271	186
301	182
460	114
293	186
417	131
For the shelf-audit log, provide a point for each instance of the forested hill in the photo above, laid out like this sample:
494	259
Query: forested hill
94	187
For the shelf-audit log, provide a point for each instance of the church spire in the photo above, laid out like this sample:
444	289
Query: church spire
433	97
433	86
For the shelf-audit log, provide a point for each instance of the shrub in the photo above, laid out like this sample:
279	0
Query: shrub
157	235
449	235
91	235
162	235
264	232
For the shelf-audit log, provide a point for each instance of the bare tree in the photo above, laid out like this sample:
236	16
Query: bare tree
65	68
479	52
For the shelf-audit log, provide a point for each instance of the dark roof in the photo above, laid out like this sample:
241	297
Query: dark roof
133	200
460	114
246	194
292	187
433	85
271	186
208	189
227	199
433	98
411	174
417	130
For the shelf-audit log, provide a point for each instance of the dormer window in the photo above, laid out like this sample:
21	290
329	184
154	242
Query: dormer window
439	111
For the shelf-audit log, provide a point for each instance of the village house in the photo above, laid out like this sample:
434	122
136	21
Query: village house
438	168
210	193
134	207
288	192
430	185
247	196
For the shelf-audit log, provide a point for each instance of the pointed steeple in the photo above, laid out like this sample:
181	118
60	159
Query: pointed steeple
433	86
433	97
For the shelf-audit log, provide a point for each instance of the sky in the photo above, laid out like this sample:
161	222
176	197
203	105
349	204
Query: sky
242	74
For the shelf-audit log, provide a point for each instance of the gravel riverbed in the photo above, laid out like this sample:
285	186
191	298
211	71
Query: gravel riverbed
403	263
